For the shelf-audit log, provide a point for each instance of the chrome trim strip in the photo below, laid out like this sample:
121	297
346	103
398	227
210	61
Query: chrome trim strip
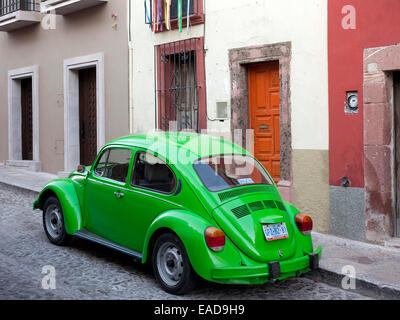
87	235
135	191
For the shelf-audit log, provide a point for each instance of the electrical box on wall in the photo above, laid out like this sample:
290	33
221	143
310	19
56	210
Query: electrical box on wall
222	110
351	102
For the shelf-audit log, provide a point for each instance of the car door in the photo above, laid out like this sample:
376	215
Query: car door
105	194
153	186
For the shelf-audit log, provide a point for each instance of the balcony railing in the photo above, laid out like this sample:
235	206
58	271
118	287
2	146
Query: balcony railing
64	7
10	6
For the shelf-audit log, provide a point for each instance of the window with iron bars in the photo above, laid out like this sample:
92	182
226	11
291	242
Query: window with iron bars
9	6
196	12
180	85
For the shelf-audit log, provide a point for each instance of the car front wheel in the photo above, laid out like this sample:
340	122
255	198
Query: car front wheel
53	222
171	265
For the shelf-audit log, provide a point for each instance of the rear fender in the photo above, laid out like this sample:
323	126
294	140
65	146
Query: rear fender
190	228
65	191
305	242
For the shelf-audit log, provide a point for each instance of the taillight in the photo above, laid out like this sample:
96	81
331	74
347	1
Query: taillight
215	239
303	223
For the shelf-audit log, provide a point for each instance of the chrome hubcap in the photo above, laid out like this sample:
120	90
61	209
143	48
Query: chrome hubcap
170	263
53	220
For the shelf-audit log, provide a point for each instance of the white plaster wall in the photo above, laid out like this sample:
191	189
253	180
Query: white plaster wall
241	23
142	66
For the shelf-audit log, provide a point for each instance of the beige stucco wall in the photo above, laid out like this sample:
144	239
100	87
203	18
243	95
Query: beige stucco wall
79	34
311	185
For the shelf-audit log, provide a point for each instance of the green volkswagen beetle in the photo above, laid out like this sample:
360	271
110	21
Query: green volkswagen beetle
192	205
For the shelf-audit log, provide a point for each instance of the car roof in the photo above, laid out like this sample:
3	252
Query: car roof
166	143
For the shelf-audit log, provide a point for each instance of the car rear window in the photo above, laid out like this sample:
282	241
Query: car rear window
228	171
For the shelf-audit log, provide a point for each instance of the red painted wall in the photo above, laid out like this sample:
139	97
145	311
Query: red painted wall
377	24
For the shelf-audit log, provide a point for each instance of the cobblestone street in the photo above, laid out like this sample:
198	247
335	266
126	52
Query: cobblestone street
88	271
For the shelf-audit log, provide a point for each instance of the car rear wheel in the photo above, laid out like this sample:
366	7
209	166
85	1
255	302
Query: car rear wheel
53	222
171	265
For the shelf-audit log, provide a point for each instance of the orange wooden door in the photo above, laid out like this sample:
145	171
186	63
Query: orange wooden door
264	100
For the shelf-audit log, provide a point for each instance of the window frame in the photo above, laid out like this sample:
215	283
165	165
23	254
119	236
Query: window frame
192	44
108	149
175	179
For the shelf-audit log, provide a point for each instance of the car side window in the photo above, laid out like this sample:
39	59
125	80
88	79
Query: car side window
99	170
114	164
152	173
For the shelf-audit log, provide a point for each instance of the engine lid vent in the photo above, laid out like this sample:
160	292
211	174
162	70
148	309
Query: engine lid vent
269	204
256	206
280	205
238	192
241	211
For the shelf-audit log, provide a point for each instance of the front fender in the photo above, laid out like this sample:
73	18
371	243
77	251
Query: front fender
65	191
190	228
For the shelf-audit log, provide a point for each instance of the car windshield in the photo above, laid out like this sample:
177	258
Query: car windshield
228	171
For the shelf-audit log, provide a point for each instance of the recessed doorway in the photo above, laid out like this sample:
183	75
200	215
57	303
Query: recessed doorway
87	116
84	120
264	104
23	118
26	119
396	104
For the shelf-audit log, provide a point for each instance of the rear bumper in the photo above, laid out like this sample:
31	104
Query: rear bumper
262	273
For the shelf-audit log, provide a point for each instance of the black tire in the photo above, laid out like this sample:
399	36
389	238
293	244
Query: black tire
53	222
188	279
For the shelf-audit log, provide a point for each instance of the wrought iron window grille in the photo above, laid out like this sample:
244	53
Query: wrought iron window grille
177	88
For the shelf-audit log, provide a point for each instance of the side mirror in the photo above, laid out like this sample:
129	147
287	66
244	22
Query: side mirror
80	169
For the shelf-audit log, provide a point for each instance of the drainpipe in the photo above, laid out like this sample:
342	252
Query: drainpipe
130	66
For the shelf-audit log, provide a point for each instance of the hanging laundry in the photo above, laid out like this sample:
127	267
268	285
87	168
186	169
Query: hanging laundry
180	15
147	14
153	15
187	16
160	15
157	14
167	13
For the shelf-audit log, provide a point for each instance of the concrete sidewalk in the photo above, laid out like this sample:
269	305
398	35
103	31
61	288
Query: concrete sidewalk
377	267
23	179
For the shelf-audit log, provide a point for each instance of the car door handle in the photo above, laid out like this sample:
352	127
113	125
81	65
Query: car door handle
119	194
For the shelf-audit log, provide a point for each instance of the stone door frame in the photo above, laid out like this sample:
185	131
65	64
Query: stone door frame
71	106
379	65
239	59
14	117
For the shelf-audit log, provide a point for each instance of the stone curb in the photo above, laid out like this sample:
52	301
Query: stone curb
18	188
363	287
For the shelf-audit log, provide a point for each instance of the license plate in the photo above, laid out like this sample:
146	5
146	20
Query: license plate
275	231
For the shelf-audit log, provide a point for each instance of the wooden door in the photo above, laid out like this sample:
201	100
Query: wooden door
26	119
87	116
264	101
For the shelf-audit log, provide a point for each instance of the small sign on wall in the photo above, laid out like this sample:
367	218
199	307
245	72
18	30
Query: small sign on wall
222	110
351	105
